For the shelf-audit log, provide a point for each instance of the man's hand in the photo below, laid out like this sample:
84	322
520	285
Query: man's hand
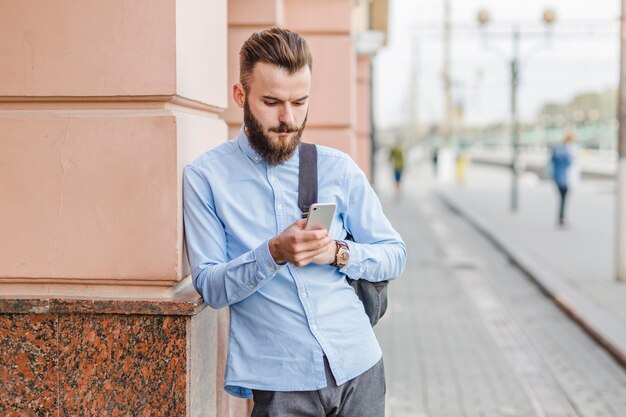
301	247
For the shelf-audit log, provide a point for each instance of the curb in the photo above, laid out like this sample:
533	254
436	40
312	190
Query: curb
608	331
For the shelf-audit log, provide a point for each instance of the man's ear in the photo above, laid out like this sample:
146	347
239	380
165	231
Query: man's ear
239	95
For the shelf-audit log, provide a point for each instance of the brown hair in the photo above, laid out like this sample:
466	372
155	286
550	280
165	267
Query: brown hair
276	46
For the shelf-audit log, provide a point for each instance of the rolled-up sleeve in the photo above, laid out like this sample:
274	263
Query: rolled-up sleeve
219	281
377	252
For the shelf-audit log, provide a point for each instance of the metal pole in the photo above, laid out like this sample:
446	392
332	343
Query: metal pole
415	62
515	167
447	83
620	203
372	125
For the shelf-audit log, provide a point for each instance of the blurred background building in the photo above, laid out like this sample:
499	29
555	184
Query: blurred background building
500	83
576	54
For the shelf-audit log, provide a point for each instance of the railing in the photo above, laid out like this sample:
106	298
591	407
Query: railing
592	162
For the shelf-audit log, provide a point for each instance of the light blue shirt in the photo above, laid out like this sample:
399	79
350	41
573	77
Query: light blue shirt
284	319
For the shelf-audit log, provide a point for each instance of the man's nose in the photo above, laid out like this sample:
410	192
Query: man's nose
286	115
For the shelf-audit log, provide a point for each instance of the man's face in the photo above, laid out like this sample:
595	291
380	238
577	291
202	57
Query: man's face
275	110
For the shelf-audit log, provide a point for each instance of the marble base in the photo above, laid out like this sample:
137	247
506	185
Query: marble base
66	357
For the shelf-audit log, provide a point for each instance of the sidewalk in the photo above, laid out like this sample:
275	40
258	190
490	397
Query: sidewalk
573	265
468	334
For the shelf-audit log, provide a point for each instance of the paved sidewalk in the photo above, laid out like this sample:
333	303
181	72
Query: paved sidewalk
467	334
574	265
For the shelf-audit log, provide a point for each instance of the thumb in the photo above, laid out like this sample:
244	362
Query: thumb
300	223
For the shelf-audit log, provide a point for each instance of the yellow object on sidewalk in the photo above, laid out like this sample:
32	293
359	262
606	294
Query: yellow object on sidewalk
462	162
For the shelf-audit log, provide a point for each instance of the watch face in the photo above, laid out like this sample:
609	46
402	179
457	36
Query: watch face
344	257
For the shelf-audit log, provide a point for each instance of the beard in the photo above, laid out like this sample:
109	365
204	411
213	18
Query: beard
274	152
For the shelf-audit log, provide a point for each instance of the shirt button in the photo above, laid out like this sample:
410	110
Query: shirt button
272	178
314	326
279	206
251	286
272	269
303	295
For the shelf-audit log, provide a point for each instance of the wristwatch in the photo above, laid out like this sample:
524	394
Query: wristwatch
342	256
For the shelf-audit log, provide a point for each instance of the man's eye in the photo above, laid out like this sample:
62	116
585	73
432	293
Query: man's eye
299	103
270	103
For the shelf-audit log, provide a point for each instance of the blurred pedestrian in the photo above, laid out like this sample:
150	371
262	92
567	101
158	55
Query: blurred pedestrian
561	159
396	157
435	158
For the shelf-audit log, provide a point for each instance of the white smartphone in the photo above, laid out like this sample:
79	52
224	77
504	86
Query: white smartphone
320	216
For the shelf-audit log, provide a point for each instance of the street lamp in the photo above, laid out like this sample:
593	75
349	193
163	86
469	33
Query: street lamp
620	197
484	18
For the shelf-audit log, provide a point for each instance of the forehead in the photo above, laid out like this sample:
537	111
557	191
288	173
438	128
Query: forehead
269	79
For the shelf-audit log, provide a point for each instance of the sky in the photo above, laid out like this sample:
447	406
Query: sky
582	55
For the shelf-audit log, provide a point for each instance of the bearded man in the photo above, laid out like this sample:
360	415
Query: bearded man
300	342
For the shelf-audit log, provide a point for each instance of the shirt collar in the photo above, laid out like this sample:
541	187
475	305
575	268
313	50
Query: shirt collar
244	144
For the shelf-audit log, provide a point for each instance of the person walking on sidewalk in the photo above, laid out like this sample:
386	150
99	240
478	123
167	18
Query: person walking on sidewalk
300	343
396	157
561	160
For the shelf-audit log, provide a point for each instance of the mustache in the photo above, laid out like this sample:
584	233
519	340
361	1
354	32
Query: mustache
284	128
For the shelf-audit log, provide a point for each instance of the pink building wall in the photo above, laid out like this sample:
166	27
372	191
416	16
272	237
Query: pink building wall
102	104
101	107
363	114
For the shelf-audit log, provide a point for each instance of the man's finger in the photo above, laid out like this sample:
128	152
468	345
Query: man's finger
316	234
300	223
312	245
309	256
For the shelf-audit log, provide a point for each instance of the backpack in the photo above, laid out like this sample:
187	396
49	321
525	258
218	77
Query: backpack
373	295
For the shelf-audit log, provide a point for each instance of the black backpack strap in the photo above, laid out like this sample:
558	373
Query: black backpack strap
373	295
307	179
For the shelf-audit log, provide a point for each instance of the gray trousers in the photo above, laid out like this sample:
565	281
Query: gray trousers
363	396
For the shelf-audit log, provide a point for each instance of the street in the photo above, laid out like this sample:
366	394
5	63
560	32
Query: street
467	334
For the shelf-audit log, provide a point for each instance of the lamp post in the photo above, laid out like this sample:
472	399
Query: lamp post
483	17
620	197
